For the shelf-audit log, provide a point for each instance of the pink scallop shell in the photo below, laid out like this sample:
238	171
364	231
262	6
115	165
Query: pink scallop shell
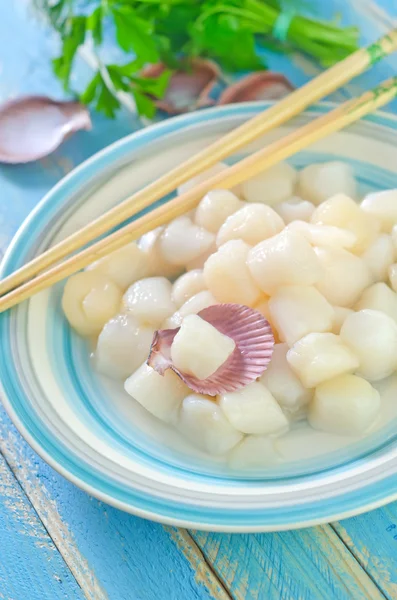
254	348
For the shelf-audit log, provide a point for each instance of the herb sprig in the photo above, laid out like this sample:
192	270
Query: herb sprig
229	31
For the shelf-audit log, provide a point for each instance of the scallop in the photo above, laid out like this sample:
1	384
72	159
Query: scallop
252	224
197	302
344	276
372	336
253	409
379	256
122	346
254	452
379	297
295	209
394	238
203	423
393	276
149	243
263	307
284	385
297	310
149	300
187	285
321	356
183	241
199	261
199	349
215	208
89	300
318	182
341	211
227	276
124	266
323	235
382	206
192	306
340	315
161	395
274	185
345	405
284	259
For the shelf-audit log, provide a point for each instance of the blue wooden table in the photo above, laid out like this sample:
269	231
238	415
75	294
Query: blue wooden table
56	542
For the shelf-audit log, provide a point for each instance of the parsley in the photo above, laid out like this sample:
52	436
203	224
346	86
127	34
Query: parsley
74	36
229	31
136	34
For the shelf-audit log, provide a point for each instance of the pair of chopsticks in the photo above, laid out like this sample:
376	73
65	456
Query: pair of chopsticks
13	288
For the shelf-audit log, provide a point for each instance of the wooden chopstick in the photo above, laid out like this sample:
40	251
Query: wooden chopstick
274	116
335	120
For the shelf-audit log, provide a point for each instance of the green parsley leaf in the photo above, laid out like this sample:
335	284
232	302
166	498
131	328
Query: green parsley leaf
134	33
107	102
56	13
174	26
75	37
130	68
145	106
91	90
154	86
116	79
224	37
94	24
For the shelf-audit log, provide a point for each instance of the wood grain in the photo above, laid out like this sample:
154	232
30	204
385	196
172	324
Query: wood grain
305	564
372	540
204	573
106	549
30	565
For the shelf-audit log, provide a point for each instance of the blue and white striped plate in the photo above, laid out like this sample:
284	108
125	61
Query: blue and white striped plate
105	442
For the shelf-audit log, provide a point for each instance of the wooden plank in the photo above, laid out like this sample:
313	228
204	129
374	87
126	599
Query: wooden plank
204	574
107	549
372	539
306	564
30	565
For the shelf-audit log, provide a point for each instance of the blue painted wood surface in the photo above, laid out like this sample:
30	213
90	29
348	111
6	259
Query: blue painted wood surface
30	564
309	564
55	540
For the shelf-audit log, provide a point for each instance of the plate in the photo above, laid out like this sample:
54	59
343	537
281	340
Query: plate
102	440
